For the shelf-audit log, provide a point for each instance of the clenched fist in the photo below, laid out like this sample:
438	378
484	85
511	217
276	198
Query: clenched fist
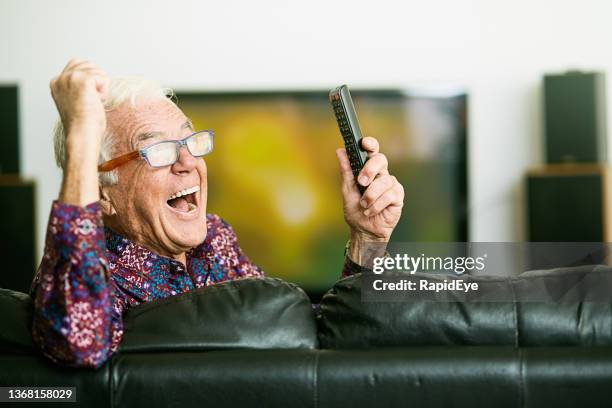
79	92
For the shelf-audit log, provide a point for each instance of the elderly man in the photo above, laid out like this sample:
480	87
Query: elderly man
130	223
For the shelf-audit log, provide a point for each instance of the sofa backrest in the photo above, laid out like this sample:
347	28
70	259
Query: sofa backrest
348	321
261	313
255	313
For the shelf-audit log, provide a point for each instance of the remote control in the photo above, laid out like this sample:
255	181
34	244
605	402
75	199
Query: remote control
340	99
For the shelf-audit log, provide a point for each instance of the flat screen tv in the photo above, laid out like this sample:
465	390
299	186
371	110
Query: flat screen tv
273	173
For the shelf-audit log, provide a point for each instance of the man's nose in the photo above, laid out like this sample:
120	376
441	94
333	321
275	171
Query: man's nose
186	162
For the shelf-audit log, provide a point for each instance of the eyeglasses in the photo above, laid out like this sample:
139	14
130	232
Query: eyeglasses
165	153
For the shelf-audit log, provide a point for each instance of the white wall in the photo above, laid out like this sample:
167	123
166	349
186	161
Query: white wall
498	50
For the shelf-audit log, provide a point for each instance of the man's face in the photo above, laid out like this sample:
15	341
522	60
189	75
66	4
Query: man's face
143	211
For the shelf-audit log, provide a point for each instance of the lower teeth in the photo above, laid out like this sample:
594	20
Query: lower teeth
191	206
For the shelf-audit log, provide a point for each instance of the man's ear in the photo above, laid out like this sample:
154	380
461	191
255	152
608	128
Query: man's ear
106	203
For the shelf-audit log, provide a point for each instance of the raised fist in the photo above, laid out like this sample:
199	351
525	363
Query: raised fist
79	92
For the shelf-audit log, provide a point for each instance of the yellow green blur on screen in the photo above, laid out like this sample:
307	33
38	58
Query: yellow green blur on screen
273	174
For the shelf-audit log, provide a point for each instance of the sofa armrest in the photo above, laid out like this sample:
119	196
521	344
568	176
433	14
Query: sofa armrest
16	309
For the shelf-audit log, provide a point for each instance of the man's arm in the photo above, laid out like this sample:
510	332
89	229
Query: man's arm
79	93
77	321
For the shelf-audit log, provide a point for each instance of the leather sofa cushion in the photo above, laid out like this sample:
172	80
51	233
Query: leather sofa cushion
420	377
348	322
15	330
35	370
260	313
223	378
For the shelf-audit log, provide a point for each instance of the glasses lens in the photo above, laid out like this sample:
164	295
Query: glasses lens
161	154
200	144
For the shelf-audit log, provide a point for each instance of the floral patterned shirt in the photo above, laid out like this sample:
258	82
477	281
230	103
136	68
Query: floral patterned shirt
89	276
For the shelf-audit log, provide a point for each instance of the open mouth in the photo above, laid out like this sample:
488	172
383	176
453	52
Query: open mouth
184	200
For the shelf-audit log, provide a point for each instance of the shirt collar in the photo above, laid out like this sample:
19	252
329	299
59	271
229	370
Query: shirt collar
136	257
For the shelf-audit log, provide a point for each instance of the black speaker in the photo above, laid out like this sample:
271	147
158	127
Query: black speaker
575	117
17	233
569	203
9	118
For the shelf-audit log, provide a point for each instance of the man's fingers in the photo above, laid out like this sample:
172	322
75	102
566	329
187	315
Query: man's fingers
96	74
376	189
93	70
349	187
53	81
345	166
88	74
80	66
375	165
102	85
393	197
78	70
370	145
84	71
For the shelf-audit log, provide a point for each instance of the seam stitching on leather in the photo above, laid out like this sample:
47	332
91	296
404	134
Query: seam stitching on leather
516	316
316	380
521	401
521	379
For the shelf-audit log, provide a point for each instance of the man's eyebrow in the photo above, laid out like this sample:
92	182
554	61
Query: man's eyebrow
187	125
151	135
147	135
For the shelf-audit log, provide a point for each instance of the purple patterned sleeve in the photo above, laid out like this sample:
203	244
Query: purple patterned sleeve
76	320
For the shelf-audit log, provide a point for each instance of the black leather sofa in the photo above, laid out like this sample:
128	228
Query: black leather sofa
260	343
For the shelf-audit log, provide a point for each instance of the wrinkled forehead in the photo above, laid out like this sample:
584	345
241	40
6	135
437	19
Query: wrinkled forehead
159	115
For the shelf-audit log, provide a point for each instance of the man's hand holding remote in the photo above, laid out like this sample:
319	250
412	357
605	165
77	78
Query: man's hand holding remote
372	216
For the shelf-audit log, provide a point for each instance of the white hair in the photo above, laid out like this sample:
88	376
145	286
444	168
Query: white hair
128	89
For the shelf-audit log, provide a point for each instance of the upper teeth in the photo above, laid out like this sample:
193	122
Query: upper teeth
185	192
